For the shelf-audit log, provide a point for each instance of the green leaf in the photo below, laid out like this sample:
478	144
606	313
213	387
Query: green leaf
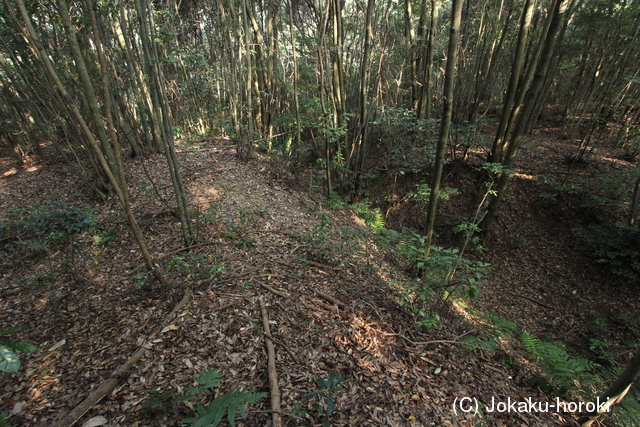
9	361
314	393
330	404
10	330
473	292
24	347
322	382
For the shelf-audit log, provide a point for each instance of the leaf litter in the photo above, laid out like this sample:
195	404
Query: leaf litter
261	232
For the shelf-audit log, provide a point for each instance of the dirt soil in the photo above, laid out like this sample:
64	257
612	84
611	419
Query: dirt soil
329	305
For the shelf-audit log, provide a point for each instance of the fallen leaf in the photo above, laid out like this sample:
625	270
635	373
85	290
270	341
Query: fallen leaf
95	421
58	345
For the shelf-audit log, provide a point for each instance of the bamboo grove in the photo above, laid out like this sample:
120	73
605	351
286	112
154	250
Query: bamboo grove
352	84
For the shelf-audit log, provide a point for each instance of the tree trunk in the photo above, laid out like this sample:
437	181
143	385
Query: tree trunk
615	394
161	111
447	113
246	151
546	48
119	187
364	88
631	219
339	89
296	143
495	154
424	105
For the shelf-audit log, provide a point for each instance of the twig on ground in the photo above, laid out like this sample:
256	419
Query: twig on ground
453	341
108	385
276	419
272	290
534	301
331	299
283	345
10	291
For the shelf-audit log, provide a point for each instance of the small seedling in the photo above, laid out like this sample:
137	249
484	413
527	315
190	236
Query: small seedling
141	279
105	237
331	386
160	402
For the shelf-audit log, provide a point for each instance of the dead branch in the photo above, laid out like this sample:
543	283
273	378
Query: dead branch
271	368
283	345
534	301
119	374
10	291
272	290
331	299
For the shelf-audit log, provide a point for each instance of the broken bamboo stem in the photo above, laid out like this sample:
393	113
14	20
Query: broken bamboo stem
274	390
108	385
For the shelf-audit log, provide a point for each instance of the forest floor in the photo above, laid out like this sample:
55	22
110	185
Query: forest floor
324	286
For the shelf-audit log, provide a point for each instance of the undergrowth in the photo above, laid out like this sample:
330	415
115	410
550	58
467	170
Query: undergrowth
616	246
206	414
559	372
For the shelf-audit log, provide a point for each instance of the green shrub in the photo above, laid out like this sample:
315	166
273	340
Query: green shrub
195	264
443	274
423	193
227	404
330	387
410	143
103	238
58	221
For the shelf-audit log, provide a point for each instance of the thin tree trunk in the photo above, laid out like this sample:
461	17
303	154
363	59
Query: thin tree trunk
364	88
546	47
296	143
424	105
247	149
518	62
445	124
121	191
161	111
631	219
87	85
339	90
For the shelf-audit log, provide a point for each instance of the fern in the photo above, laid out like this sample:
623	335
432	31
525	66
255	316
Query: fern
229	403
372	217
502	326
561	371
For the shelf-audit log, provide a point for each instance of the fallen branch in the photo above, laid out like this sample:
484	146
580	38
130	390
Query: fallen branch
272	290
275	341
119	374
10	291
331	299
276	419
534	301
